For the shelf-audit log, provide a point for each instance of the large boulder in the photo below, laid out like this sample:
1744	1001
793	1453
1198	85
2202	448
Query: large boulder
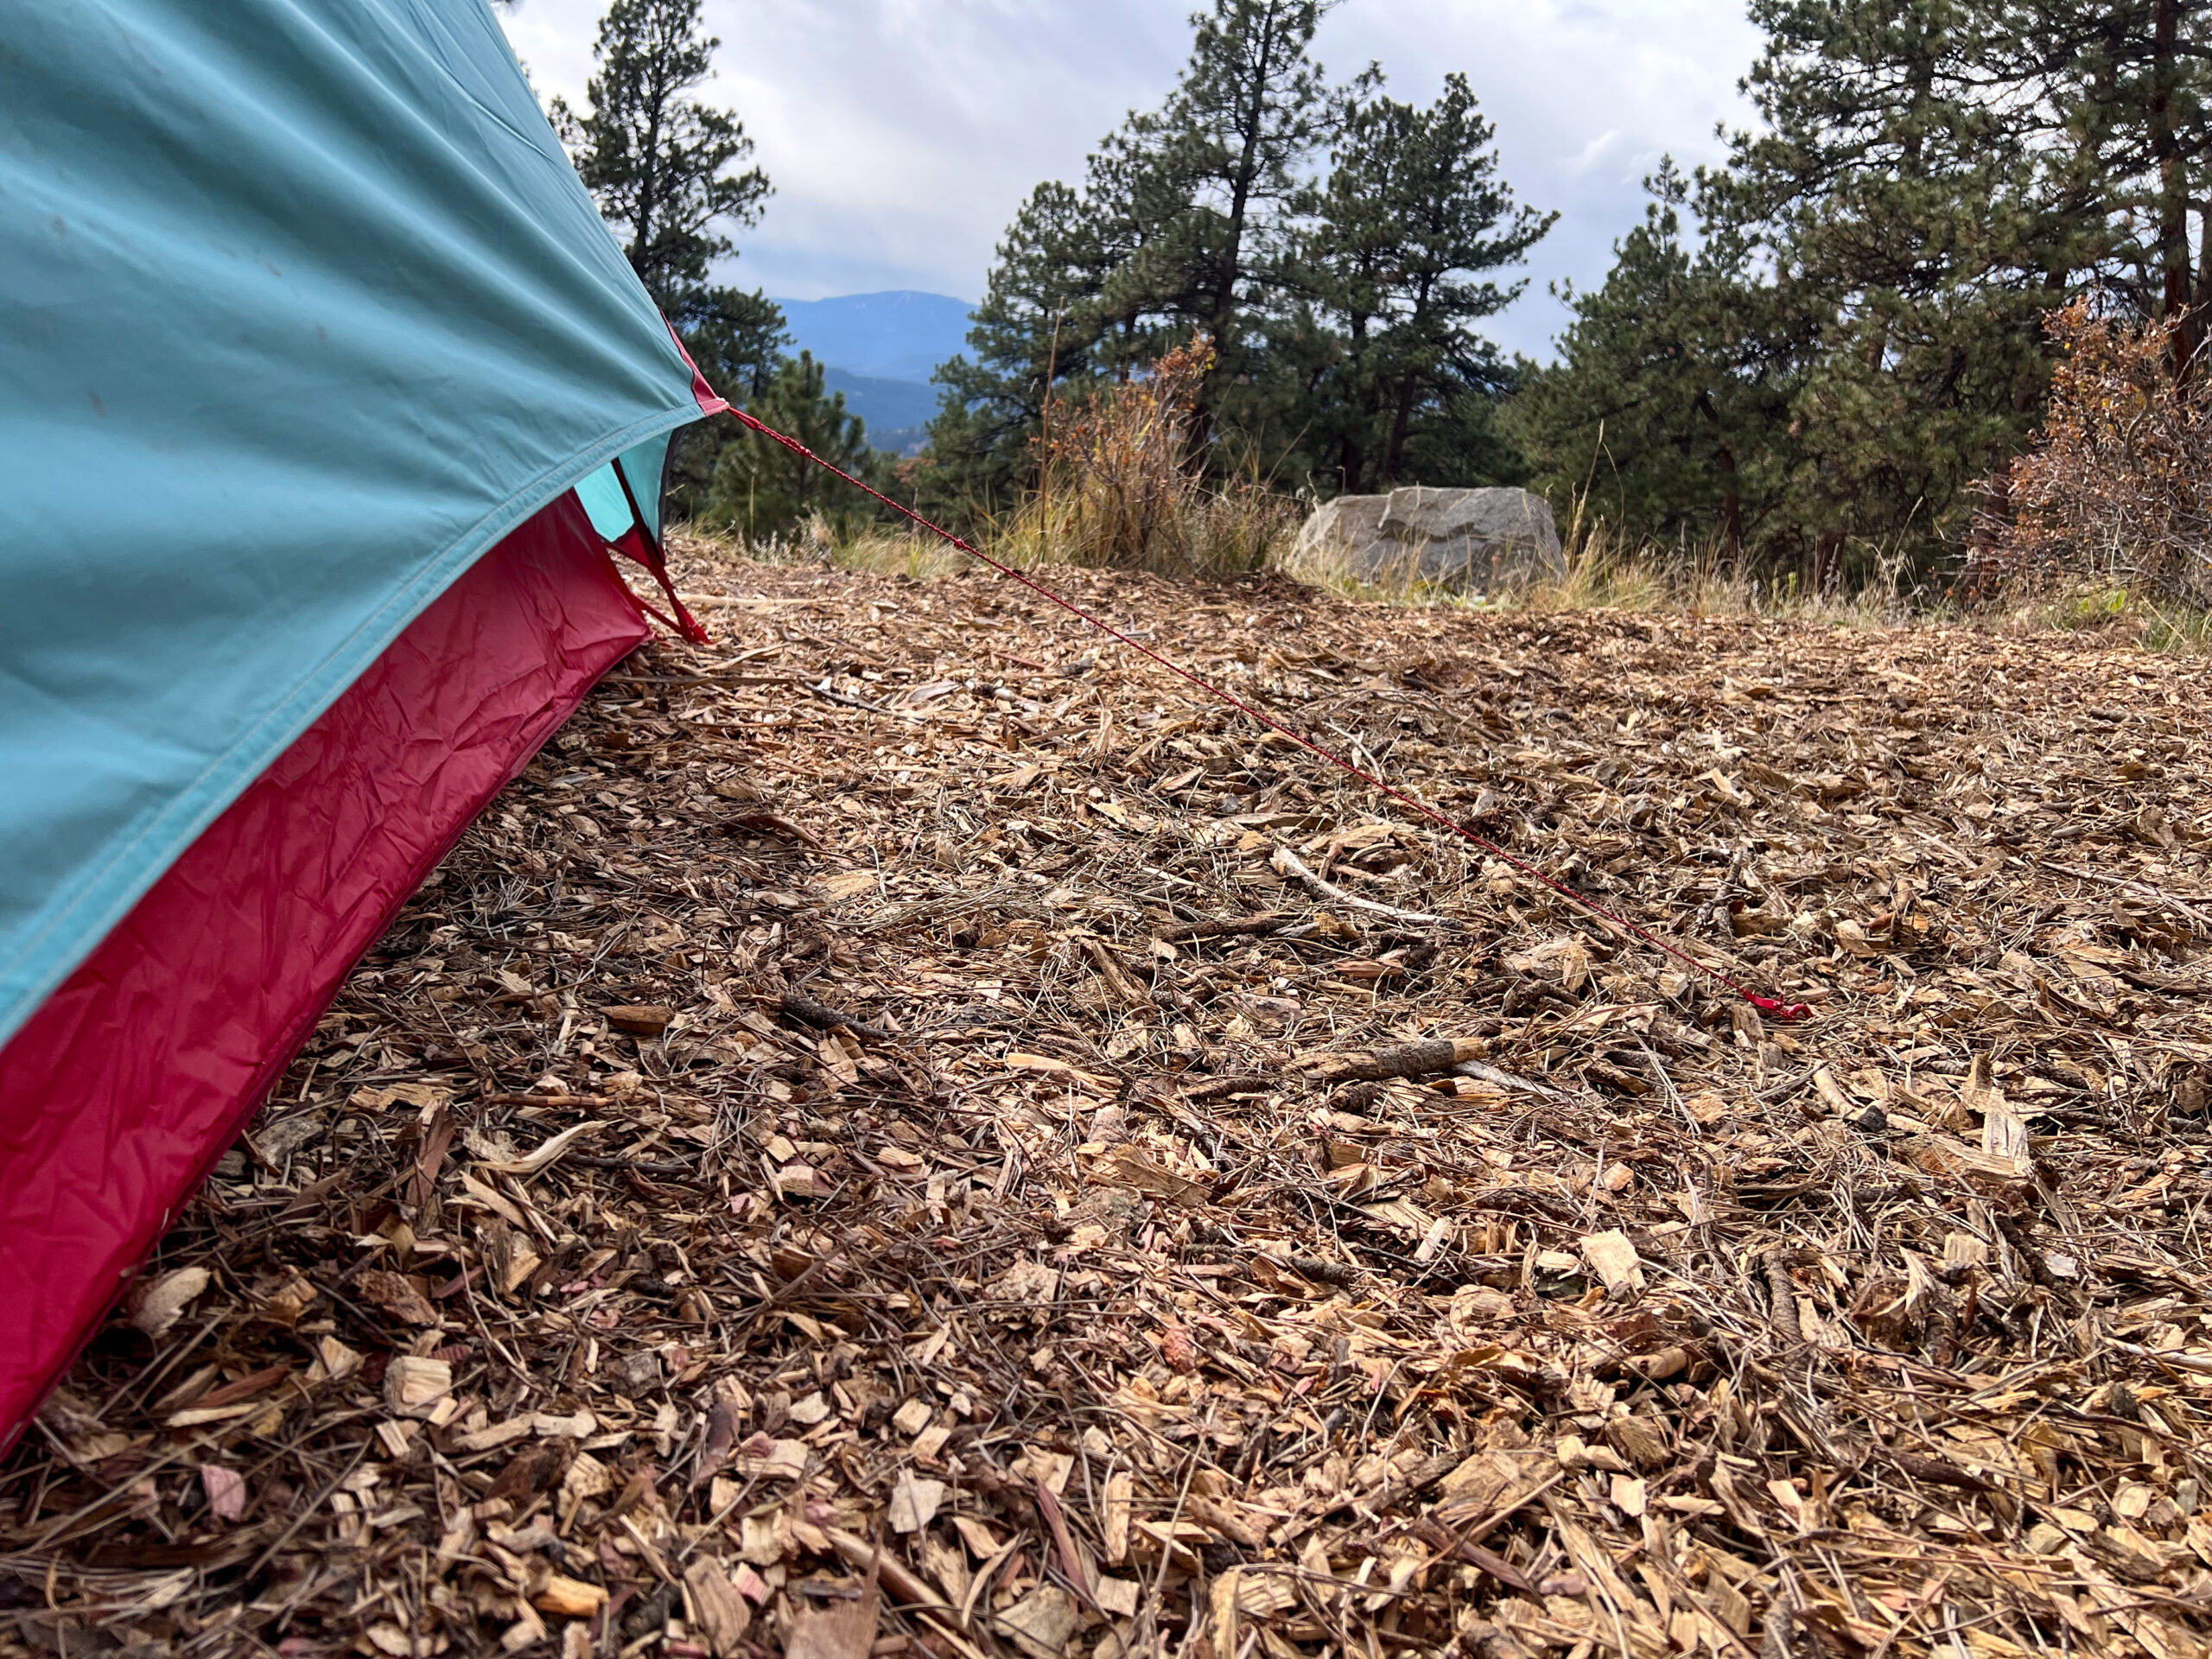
1479	540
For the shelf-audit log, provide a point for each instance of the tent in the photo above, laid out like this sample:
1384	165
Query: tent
323	392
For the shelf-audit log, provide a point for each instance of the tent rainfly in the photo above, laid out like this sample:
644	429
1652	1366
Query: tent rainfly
316	367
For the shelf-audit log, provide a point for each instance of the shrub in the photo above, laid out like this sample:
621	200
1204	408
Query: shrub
1121	484
2116	488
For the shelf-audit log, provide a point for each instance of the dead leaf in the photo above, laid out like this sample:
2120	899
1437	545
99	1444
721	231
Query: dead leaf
1614	1260
543	1157
399	1296
1129	1166
2003	1132
841	1631
1052	1068
723	1613
914	1503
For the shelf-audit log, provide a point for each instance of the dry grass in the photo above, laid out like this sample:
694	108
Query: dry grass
1605	572
1121	484
1608	571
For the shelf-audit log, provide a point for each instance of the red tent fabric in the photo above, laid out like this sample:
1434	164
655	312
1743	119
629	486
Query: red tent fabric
132	1078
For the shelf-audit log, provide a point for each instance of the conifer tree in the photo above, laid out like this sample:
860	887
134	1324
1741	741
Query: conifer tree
1410	228
760	489
656	159
1042	329
667	174
1899	210
1931	178
1180	230
1666	409
1335	248
1214	172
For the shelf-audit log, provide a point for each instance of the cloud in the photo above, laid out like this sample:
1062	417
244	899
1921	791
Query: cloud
901	135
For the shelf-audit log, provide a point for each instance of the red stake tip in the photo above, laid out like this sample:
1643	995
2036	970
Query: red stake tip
1788	1013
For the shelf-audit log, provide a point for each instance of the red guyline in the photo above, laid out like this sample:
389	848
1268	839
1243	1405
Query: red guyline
1781	1010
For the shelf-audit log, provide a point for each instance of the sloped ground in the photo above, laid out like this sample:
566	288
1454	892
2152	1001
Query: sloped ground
864	1145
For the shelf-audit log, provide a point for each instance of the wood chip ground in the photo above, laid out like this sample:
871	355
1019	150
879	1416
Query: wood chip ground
864	1149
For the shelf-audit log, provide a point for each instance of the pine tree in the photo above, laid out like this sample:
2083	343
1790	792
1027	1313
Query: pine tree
1177	230
1341	313
660	165
1409	228
657	159
1667	409
1042	323
1900	209
1213	175
1929	178
760	489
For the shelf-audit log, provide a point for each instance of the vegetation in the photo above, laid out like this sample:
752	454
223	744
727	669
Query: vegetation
1823	364
2118	487
1818	354
1335	248
762	489
1120	485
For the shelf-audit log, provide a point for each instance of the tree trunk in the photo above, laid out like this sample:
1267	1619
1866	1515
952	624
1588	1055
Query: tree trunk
1394	460
1221	324
1731	504
1352	465
648	183
2173	187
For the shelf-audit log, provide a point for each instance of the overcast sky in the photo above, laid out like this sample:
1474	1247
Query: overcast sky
901	135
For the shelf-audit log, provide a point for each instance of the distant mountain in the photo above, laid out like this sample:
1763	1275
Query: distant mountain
901	335
895	411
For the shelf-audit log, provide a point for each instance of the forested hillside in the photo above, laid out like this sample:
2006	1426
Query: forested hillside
1821	357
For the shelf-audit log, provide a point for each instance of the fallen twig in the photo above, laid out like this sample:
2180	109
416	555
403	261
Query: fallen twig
1404	1060
800	1006
1286	862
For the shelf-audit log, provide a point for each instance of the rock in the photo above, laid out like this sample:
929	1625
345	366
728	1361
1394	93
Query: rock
1475	539
1346	527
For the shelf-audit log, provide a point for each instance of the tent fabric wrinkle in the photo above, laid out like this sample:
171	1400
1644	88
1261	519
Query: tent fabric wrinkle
302	310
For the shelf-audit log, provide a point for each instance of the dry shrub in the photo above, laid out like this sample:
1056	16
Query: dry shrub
2117	488
1121	484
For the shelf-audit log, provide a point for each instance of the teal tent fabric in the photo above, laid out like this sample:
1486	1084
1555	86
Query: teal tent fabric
605	500
301	309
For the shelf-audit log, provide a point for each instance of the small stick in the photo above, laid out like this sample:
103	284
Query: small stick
1220	1088
1286	863
1481	1073
800	1006
907	1584
1467	1545
1240	926
1401	1060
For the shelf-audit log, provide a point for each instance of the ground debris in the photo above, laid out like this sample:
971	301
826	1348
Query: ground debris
892	1135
